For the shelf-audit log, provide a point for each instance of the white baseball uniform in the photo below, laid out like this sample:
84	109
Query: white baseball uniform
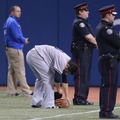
44	60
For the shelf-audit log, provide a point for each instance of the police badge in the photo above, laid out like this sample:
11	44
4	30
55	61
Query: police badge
109	31
82	25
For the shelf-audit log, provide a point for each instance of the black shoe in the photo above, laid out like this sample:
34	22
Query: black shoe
16	94
109	116
89	103
31	93
54	107
35	106
81	102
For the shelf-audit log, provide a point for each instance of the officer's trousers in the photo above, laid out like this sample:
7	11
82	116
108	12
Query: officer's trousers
108	69
16	72
82	78
44	86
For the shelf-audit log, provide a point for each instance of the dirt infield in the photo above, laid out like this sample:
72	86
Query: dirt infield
93	94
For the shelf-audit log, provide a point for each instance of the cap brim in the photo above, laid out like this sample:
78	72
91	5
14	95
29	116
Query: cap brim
114	13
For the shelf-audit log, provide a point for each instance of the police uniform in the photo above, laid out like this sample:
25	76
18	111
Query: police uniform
82	51
108	44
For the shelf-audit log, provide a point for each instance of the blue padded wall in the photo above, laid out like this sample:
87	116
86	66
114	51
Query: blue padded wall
49	22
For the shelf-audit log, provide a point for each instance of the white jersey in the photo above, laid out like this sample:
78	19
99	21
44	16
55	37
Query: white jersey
54	57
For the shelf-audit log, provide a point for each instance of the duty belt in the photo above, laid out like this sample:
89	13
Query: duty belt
84	47
110	56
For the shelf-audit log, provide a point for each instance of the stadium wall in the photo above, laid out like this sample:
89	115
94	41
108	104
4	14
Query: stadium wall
50	22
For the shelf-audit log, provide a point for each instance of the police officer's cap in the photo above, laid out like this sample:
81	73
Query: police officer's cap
108	9
82	6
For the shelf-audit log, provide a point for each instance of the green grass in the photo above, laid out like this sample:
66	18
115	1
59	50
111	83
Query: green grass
18	108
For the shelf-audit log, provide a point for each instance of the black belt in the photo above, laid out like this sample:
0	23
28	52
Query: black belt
84	47
110	56
87	48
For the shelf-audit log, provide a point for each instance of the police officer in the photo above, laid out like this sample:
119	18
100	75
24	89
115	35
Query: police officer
108	44
83	43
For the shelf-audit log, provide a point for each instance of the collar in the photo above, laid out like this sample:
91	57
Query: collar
14	17
85	20
107	23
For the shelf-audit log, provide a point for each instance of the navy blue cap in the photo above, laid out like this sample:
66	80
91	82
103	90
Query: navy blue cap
108	9
81	6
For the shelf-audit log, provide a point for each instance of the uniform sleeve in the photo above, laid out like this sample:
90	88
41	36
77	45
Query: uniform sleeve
64	78
57	77
111	36
17	33
82	28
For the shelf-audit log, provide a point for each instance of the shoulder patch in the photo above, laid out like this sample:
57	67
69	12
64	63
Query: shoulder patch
82	25
109	31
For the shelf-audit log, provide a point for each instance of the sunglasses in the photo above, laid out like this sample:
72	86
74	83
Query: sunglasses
86	9
112	14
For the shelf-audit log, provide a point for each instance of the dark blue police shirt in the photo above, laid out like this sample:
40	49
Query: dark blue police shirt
81	28
107	38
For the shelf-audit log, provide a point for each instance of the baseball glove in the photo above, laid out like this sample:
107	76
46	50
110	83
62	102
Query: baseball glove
62	103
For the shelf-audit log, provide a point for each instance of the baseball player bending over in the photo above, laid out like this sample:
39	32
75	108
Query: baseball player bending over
44	61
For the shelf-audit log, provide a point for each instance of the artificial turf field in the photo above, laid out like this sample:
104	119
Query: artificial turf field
18	108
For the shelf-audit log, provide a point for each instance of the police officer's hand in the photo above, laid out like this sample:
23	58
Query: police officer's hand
26	41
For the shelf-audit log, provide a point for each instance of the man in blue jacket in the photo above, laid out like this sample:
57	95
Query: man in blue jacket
14	43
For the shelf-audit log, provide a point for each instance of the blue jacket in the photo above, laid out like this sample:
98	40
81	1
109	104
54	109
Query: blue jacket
13	36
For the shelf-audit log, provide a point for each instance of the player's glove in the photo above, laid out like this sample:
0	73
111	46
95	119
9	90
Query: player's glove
62	103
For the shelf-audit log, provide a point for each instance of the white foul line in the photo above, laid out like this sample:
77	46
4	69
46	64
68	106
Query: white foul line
71	114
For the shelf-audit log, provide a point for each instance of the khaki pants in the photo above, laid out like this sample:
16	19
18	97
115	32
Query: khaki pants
16	72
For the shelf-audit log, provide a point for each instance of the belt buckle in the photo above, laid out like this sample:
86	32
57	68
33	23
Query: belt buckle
85	48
